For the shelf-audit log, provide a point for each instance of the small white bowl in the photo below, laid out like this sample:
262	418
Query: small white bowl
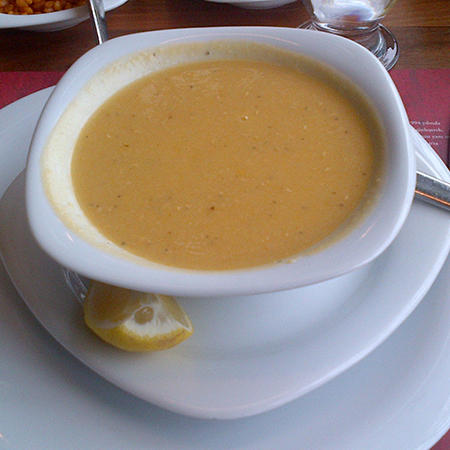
255	4
53	21
361	245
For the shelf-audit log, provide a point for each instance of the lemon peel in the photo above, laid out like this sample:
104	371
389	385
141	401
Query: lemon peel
135	321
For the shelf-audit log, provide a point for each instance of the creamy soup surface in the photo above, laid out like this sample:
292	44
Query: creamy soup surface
225	164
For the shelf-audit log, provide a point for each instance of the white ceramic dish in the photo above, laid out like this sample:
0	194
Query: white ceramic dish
99	259
55	21
396	399
227	372
255	4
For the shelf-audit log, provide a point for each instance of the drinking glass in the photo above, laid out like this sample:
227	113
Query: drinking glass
358	20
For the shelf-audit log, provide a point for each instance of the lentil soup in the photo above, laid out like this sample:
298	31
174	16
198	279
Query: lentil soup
215	156
227	163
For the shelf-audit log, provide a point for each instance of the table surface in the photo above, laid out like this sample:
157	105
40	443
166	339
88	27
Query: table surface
422	28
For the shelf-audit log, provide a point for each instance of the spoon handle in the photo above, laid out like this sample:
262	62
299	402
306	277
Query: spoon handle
433	190
97	10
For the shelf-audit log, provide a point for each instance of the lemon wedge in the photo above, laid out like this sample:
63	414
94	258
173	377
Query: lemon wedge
133	320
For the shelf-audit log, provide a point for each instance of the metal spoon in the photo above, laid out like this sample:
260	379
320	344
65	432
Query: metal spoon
433	190
97	11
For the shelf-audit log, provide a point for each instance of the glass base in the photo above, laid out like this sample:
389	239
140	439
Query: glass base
77	284
386	48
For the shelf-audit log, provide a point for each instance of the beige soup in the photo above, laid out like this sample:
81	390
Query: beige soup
225	164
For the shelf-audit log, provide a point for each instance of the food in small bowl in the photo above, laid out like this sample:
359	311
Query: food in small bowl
224	161
45	16
24	7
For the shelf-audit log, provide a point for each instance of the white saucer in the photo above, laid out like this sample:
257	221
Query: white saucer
222	372
54	21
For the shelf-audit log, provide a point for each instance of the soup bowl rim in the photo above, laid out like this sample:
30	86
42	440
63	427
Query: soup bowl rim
363	244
